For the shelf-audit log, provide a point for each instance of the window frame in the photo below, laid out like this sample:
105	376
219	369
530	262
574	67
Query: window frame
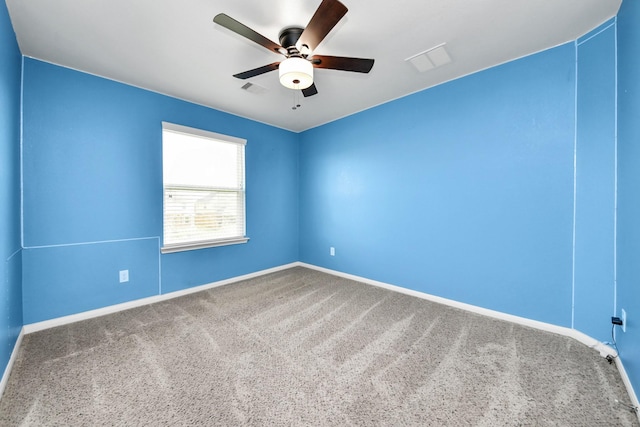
209	243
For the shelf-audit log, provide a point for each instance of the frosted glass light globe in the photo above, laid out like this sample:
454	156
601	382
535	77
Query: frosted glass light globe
296	73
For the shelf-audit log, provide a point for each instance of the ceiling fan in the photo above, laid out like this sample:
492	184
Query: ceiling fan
297	45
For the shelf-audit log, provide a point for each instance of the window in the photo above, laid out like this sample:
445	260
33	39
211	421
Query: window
203	181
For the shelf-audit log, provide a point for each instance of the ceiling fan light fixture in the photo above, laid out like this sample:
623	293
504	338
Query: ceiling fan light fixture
296	73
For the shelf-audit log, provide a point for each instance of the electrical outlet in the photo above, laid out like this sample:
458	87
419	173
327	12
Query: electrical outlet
124	276
624	320
332	251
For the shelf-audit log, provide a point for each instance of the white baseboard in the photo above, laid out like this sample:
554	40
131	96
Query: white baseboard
548	327
65	320
602	348
627	383
12	359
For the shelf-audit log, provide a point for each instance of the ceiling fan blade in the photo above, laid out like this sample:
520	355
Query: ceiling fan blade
241	29
359	65
310	91
257	71
326	17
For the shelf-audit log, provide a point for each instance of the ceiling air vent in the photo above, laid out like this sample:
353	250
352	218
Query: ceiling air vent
254	88
430	58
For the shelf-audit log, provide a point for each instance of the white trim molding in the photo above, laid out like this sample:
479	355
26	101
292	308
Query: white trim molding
548	327
627	384
12	359
65	320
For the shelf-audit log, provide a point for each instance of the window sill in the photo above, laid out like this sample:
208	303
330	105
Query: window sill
202	245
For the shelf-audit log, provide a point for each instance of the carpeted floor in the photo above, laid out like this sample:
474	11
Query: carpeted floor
300	347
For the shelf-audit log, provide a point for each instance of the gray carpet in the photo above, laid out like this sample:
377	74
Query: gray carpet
300	347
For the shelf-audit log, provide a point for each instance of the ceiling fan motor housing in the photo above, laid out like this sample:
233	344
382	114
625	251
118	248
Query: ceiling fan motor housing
289	37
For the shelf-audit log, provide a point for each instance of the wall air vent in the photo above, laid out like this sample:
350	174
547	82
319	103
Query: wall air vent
430	58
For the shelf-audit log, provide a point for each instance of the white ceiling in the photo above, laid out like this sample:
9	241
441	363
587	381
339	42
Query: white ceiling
173	47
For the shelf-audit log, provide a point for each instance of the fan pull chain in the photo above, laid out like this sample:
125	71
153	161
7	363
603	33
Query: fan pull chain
296	99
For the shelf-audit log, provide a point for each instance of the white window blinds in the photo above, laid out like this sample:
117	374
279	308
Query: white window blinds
204	189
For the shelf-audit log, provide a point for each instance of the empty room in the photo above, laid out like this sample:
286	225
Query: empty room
320	212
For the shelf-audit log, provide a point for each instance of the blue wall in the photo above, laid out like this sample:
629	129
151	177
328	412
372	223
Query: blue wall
498	189
10	247
594	296
93	194
463	191
466	190
629	186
